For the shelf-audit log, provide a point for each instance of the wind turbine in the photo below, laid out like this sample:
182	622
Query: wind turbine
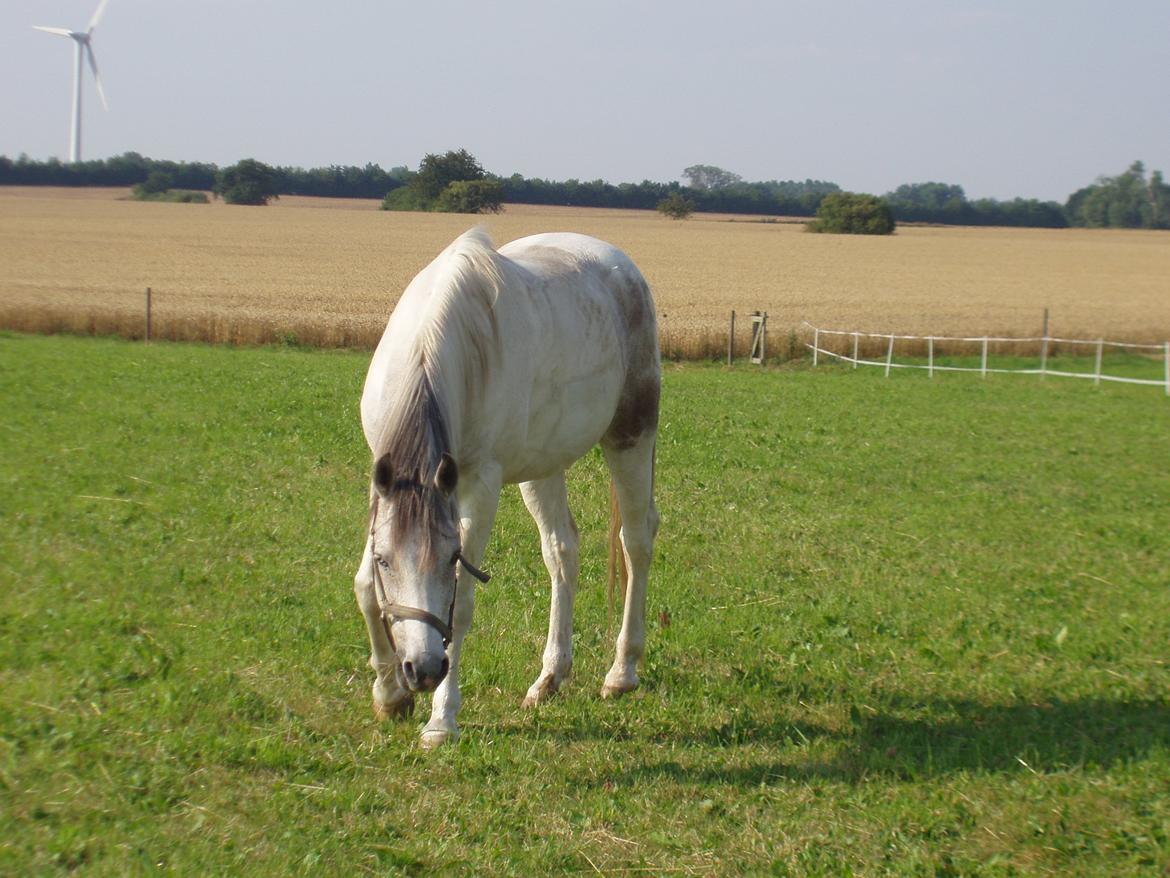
83	46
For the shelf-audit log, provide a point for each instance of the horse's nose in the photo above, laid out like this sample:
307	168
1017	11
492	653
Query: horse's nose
425	674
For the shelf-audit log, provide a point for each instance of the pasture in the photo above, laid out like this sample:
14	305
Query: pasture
899	627
327	271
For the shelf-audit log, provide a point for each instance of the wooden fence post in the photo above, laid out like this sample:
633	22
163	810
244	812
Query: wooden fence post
816	344
889	356
855	336
147	314
759	336
930	348
983	369
1100	348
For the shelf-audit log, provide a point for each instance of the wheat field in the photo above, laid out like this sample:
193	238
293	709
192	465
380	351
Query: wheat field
328	271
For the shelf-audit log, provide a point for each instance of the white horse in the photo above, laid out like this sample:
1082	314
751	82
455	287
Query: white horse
502	367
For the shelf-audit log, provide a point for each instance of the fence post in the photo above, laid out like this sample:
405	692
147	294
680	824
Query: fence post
731	339
855	335
983	369
889	356
816	344
1044	347
759	336
930	348
1097	374
147	314
1166	360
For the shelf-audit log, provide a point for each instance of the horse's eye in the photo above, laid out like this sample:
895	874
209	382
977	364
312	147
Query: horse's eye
382	562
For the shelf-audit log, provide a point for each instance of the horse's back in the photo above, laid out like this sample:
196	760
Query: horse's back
578	271
605	284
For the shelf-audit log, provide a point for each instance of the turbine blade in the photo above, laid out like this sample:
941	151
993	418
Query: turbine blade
97	15
65	32
97	79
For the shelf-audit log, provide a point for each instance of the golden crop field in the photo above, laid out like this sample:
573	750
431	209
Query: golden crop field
328	271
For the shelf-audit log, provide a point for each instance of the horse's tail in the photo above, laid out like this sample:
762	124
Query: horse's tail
617	558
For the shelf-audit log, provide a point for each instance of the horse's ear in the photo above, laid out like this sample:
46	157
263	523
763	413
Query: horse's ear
383	476
447	475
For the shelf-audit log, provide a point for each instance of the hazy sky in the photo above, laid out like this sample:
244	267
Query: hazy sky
1005	97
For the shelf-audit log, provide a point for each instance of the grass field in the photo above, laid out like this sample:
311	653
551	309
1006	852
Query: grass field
328	271
899	627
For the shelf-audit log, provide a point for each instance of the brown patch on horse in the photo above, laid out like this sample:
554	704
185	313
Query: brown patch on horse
636	413
637	410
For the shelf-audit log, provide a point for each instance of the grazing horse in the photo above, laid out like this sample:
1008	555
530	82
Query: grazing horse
502	367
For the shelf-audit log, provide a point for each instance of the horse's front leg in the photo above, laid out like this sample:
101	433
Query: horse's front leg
391	697
547	501
477	507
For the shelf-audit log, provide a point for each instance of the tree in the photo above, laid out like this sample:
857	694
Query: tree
437	172
1159	201
676	206
248	182
452	183
707	177
1126	201
851	213
933	196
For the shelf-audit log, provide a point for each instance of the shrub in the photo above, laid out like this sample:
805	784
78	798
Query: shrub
177	196
850	213
157	187
471	196
405	198
155	183
676	206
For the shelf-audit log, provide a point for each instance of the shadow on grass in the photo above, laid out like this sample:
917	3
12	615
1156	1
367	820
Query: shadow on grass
922	740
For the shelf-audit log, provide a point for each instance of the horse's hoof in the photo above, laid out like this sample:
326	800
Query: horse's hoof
400	709
616	690
540	691
432	739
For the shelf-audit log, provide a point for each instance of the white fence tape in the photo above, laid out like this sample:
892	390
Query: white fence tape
1097	375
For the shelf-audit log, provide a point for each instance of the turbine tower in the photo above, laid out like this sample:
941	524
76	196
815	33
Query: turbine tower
83	46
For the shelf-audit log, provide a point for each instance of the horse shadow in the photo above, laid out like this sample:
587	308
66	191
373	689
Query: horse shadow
905	739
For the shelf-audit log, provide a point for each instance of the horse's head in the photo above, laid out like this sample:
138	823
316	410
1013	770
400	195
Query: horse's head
415	547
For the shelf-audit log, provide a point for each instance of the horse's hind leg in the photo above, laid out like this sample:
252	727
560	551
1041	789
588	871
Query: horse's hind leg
548	502
632	469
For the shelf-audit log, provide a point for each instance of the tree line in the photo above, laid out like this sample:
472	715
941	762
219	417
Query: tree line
1128	200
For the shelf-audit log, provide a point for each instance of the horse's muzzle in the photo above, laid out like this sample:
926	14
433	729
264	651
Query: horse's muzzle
425	674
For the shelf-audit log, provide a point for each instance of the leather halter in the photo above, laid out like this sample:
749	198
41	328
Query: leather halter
394	612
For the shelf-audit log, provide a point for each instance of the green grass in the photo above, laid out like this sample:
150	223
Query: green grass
898	627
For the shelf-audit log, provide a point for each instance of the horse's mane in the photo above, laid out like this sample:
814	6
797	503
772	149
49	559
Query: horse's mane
450	356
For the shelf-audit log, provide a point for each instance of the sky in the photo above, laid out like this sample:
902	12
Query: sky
1007	98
